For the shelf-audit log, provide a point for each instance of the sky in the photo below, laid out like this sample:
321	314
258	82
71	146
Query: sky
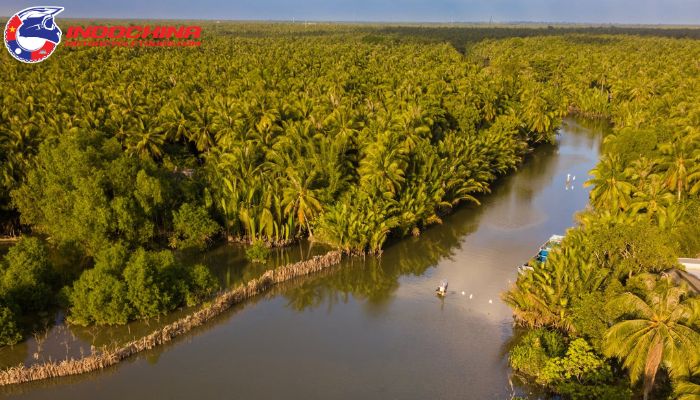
685	12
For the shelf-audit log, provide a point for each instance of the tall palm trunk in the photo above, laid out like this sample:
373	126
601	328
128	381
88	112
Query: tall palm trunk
652	366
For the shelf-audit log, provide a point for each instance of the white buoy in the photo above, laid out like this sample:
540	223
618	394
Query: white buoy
471	296
490	301
462	292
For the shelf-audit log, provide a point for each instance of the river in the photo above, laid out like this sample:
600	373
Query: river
373	328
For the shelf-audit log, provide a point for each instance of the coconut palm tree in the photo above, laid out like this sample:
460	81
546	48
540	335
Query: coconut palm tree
653	332
686	389
610	187
654	200
680	161
300	200
542	296
641	170
146	140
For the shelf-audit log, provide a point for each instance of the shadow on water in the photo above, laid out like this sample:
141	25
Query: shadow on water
228	263
370	328
376	279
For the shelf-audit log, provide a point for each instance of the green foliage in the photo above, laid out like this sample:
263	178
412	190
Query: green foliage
550	294
687	388
654	329
202	285
9	333
193	228
349	142
593	391
358	223
583	374
85	190
99	297
630	248
591	314
573	370
150	284
25	276
633	144
258	251
534	349
580	363
643	192
146	284
687	235
26	280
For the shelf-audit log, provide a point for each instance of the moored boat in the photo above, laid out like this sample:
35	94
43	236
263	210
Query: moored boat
542	253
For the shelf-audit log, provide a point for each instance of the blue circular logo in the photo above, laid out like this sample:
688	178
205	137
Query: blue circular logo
32	35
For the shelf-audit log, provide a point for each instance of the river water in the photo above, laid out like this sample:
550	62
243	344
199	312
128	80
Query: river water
373	328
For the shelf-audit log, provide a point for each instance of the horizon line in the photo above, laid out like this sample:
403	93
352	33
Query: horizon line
380	22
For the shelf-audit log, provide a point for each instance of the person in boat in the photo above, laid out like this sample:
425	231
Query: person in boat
442	288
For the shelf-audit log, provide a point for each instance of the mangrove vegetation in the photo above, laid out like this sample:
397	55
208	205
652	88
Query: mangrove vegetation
114	161
606	303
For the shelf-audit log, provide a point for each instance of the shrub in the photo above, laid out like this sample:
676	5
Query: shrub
631	248
24	280
202	285
257	252
534	349
84	189
145	285
582	374
99	297
148	289
576	371
193	228
9	334
591	313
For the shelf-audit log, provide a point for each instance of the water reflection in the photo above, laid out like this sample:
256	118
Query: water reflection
59	341
371	328
374	280
510	210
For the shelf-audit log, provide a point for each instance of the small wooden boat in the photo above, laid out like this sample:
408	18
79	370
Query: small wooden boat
442	289
542	253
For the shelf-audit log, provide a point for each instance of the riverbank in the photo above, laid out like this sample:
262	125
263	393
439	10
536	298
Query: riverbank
370	327
221	303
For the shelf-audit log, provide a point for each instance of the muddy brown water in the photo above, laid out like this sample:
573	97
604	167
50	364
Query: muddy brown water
370	328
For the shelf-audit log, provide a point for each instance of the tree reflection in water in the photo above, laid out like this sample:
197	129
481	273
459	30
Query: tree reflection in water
376	279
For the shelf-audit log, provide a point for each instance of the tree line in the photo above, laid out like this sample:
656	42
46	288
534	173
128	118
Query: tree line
607	304
331	137
351	136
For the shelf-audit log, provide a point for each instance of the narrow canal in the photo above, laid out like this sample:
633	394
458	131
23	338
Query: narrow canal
373	328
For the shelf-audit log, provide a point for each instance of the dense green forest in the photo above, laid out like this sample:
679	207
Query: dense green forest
113	159
334	137
603	302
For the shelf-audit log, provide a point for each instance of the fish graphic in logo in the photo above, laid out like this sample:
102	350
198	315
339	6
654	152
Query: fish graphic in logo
32	35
